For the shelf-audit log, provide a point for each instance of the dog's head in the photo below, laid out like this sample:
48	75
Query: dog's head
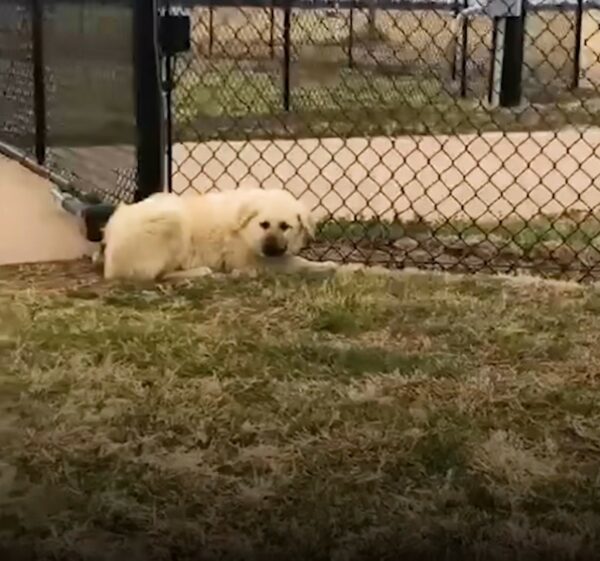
273	223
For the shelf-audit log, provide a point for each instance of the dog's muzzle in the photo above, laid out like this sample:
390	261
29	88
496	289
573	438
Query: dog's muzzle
273	248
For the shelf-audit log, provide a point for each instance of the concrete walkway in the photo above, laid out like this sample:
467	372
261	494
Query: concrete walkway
477	176
32	227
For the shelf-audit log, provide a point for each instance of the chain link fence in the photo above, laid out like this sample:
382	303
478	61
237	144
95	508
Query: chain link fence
385	120
90	98
17	125
81	100
389	118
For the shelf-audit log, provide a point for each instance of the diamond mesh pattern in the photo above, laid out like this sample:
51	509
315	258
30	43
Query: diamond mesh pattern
89	91
17	126
88	80
390	137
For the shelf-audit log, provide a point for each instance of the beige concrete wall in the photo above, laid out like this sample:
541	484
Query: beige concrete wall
32	227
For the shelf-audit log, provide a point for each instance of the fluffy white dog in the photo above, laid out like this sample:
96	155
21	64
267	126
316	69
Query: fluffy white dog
244	230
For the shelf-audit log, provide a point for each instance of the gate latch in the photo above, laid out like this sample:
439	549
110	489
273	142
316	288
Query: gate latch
493	8
174	33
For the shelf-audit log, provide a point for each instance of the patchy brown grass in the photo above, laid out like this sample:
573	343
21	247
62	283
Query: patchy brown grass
426	416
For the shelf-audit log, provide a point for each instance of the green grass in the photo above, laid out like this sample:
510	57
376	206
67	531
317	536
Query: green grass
330	100
228	90
351	417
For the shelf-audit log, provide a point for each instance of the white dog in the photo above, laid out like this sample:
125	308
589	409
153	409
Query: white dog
246	230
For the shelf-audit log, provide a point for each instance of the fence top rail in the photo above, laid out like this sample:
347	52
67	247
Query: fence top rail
377	4
326	4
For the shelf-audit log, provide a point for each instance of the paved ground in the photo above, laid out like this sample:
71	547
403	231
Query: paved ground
480	176
32	227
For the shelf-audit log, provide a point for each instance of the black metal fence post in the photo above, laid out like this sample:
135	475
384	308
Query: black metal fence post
493	62
211	29
287	53
168	93
272	29
453	65
351	36
577	53
39	89
464	54
511	81
148	100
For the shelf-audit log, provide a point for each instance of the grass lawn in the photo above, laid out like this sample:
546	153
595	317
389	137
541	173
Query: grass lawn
364	418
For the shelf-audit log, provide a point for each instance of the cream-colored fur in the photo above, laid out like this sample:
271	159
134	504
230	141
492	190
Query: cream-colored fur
244	230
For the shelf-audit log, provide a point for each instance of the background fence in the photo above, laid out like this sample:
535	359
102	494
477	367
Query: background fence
66	79
16	75
387	132
382	117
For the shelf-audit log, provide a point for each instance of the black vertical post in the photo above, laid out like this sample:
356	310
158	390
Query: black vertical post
511	78
272	29
577	53
464	55
39	89
168	95
148	100
287	24
455	11
211	29
169	120
493	60
351	36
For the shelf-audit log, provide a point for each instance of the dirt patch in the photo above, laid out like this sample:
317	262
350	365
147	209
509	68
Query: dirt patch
58	276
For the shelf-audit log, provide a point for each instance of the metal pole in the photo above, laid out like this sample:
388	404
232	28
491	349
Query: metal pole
148	100
272	29
351	37
211	29
511	81
455	10
39	89
492	76
464	54
287	24
168	86
577	53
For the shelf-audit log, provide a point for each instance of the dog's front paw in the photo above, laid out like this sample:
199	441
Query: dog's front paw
326	266
375	270
202	272
379	270
244	273
350	268
97	258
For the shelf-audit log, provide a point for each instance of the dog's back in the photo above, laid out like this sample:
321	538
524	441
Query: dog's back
145	239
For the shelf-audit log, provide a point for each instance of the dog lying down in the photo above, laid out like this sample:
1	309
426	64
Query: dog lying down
242	231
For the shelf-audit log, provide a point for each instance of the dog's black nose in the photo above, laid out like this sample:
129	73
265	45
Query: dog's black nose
271	248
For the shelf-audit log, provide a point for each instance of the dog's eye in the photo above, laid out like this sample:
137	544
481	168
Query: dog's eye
265	225
284	226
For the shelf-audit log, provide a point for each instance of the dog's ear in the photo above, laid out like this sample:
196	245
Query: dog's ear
307	222
244	214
